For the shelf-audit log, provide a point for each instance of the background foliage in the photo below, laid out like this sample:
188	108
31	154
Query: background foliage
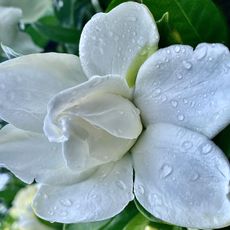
178	21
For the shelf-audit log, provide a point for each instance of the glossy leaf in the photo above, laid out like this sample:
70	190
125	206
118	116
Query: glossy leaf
57	33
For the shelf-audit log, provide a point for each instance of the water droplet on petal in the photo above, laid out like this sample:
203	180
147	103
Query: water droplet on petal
187	145
51	213
174	103
206	148
45	196
177	49
195	176
180	117
187	65
66	202
179	76
121	184
201	52
166	170
140	189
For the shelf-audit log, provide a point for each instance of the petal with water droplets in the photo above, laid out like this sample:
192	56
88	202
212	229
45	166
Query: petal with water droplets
182	177
187	88
101	196
118	42
28	82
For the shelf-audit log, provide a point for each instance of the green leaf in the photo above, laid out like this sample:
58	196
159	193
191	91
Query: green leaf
191	22
139	222
58	33
222	140
186	22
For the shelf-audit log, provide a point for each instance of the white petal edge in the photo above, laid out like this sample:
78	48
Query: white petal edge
32	9
97	85
187	88
118	42
30	156
28	82
101	196
182	177
9	18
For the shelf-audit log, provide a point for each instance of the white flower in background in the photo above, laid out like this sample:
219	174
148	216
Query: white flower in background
86	172
22	211
13	12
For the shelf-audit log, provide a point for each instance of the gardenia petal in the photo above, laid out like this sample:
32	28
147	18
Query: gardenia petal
95	125
99	197
81	98
185	87
28	155
181	177
10	34
27	83
89	146
118	42
32	9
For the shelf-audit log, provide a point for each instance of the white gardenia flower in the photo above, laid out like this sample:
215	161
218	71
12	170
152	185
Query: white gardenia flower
91	120
13	12
22	211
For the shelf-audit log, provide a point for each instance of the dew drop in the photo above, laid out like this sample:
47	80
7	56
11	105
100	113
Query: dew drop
166	170
187	145
195	177
179	76
140	189
66	202
201	52
210	58
156	92
206	148
45	196
174	103
51	213
187	65
180	117
177	49
121	184
185	101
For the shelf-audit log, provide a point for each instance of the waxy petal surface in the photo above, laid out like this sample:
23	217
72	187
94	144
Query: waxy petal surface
182	177
27	83
188	88
118	42
101	196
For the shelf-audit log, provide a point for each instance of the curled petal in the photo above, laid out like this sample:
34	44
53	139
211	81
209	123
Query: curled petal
187	88
94	123
181	177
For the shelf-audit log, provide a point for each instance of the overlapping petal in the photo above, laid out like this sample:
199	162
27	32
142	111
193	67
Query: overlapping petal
181	177
29	82
185	87
32	9
95	122
10	34
101	196
28	155
118	42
